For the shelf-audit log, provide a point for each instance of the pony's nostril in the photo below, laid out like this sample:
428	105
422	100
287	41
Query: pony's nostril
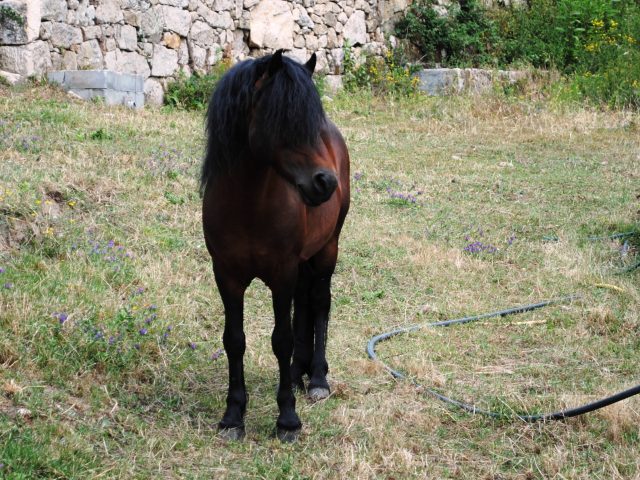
325	183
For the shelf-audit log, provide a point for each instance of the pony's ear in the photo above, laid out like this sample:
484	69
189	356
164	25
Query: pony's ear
275	63
311	64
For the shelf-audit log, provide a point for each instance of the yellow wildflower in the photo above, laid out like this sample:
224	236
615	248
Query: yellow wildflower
597	23
613	24
49	232
71	203
38	202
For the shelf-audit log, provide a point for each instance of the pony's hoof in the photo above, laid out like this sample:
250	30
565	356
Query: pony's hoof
287	436
231	434
318	393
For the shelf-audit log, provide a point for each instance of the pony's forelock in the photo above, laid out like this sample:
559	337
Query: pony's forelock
288	114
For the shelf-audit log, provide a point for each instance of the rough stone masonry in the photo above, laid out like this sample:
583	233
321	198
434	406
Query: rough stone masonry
159	38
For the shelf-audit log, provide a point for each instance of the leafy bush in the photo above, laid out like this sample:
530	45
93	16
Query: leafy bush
595	42
389	75
192	93
463	35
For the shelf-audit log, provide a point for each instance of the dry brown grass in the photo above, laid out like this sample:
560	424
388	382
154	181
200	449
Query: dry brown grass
489	168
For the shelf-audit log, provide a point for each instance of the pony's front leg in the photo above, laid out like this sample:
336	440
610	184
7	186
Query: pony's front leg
232	293
288	424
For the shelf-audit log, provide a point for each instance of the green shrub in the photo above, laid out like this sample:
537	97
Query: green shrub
595	43
192	93
464	36
389	75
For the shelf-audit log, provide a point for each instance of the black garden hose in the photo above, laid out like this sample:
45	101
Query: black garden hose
572	412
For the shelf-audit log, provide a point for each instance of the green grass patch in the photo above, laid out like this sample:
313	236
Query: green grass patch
110	324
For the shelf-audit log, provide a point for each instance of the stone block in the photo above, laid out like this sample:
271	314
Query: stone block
198	57
153	92
131	63
69	60
176	19
15	32
92	32
164	61
126	36
86	13
330	19
272	25
201	34
108	11
223	5
63	35
115	88
171	40
131	17
28	60
355	30
183	54
90	55
55	10
12	78
152	24
440	81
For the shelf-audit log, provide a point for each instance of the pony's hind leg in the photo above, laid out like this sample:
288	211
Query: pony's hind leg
319	307
232	293
302	329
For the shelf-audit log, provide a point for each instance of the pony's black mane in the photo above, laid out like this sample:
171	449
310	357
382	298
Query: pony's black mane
287	112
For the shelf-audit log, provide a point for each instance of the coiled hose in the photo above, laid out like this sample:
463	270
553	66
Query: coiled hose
562	414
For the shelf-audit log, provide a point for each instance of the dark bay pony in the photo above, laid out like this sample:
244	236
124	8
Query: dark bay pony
275	186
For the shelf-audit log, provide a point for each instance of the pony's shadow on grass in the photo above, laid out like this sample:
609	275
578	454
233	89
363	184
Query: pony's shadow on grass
197	397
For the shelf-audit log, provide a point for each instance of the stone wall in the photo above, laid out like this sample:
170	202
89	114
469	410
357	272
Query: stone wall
158	38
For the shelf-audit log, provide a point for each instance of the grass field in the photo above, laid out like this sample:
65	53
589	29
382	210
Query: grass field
110	325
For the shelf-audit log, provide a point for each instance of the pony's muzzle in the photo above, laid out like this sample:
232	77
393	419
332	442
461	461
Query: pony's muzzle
324	184
319	188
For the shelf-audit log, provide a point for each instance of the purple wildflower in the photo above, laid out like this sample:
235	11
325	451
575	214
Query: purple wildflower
143	331
478	247
216	355
192	345
357	176
2	270
152	307
111	244
137	346
62	317
8	285
112	340
139	291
